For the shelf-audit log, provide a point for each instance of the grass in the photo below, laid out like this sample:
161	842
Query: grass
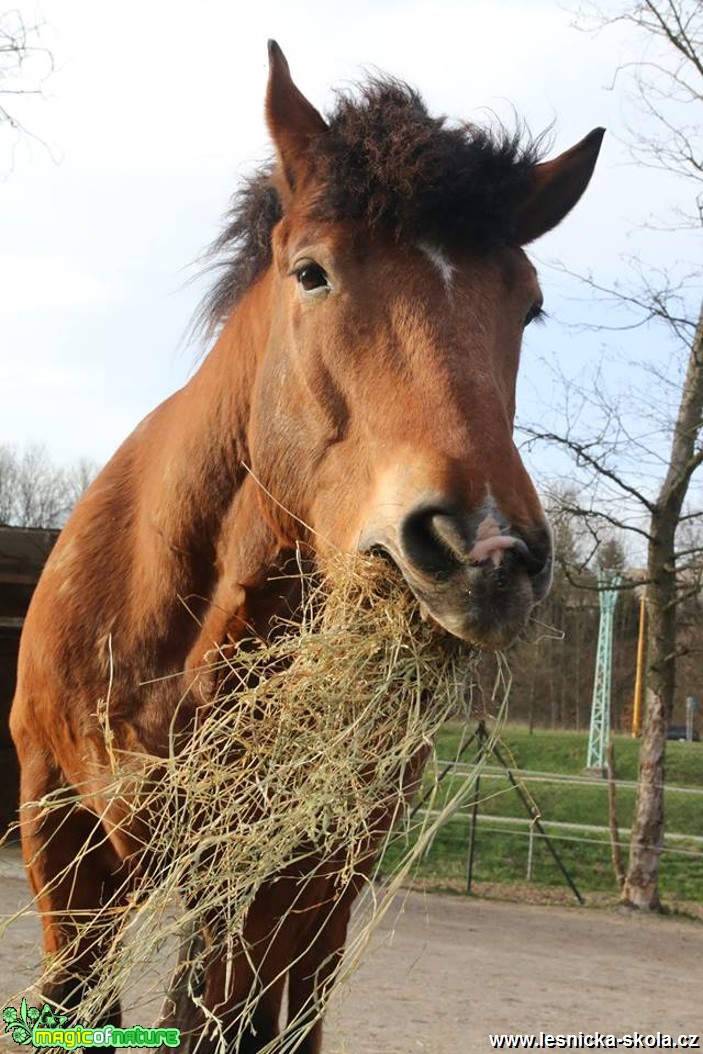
501	849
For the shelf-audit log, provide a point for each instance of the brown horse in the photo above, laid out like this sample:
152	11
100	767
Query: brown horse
360	395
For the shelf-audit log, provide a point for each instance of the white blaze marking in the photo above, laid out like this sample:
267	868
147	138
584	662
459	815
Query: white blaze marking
440	261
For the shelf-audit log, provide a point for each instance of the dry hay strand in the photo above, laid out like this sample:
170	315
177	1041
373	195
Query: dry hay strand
303	767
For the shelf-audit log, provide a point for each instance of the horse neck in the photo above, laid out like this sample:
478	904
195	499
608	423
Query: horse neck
181	479
204	435
221	548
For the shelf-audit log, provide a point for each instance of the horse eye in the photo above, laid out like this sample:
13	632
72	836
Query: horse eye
535	312
311	276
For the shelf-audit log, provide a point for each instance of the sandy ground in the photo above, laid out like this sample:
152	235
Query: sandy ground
444	972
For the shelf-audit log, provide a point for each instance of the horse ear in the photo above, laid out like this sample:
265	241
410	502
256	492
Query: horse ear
556	187
293	122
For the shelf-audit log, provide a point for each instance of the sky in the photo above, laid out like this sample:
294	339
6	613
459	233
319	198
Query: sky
154	111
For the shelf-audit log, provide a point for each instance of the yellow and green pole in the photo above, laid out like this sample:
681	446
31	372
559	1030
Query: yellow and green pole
639	673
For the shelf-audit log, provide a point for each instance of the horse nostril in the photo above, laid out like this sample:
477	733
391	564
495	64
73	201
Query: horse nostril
433	541
535	558
451	533
537	555
438	541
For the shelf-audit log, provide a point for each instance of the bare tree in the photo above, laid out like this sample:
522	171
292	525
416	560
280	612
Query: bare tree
8	484
34	492
24	66
636	470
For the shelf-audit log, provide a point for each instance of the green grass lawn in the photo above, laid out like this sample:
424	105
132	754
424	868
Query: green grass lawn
501	851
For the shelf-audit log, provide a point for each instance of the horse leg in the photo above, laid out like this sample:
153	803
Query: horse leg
73	871
213	996
311	976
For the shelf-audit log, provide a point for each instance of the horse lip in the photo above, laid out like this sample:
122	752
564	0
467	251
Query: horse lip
437	600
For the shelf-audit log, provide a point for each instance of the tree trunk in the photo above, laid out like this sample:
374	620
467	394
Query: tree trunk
613	821
641	884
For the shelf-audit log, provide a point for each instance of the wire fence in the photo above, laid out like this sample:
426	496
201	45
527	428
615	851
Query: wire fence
528	775
552	829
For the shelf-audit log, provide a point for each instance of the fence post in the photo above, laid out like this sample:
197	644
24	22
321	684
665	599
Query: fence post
530	852
481	736
472	832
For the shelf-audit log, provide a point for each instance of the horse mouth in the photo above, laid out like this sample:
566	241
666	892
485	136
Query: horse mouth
485	605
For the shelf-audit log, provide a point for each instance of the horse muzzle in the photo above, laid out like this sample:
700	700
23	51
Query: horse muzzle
474	575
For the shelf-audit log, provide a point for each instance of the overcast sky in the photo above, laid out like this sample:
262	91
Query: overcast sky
153	112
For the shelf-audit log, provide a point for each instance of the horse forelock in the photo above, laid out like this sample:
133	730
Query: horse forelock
385	162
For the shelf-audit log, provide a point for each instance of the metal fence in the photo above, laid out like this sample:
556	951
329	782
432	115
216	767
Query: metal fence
574	845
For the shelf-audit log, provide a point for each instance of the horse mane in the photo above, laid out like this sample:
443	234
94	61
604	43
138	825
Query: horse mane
387	162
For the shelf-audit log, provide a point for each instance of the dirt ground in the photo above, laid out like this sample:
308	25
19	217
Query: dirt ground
444	972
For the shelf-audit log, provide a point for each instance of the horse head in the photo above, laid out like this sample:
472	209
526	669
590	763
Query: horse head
399	290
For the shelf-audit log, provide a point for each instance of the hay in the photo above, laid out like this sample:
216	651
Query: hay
304	763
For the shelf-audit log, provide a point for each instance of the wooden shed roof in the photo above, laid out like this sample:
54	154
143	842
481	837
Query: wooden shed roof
23	553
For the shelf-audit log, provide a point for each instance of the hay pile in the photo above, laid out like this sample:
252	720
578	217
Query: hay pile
307	760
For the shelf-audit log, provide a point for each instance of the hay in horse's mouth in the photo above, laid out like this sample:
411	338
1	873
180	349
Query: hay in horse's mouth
379	557
301	771
314	750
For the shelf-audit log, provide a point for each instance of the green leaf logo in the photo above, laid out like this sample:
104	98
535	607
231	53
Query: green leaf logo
20	1034
20	1024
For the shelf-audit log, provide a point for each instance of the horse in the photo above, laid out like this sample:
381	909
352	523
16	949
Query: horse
359	395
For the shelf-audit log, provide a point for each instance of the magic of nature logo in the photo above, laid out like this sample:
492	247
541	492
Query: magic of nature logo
46	1028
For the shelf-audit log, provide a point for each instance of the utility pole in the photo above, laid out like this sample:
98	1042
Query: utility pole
600	708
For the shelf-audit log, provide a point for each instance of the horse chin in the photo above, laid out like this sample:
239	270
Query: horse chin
477	629
477	605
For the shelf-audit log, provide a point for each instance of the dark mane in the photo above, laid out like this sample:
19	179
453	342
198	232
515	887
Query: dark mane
387	162
243	249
